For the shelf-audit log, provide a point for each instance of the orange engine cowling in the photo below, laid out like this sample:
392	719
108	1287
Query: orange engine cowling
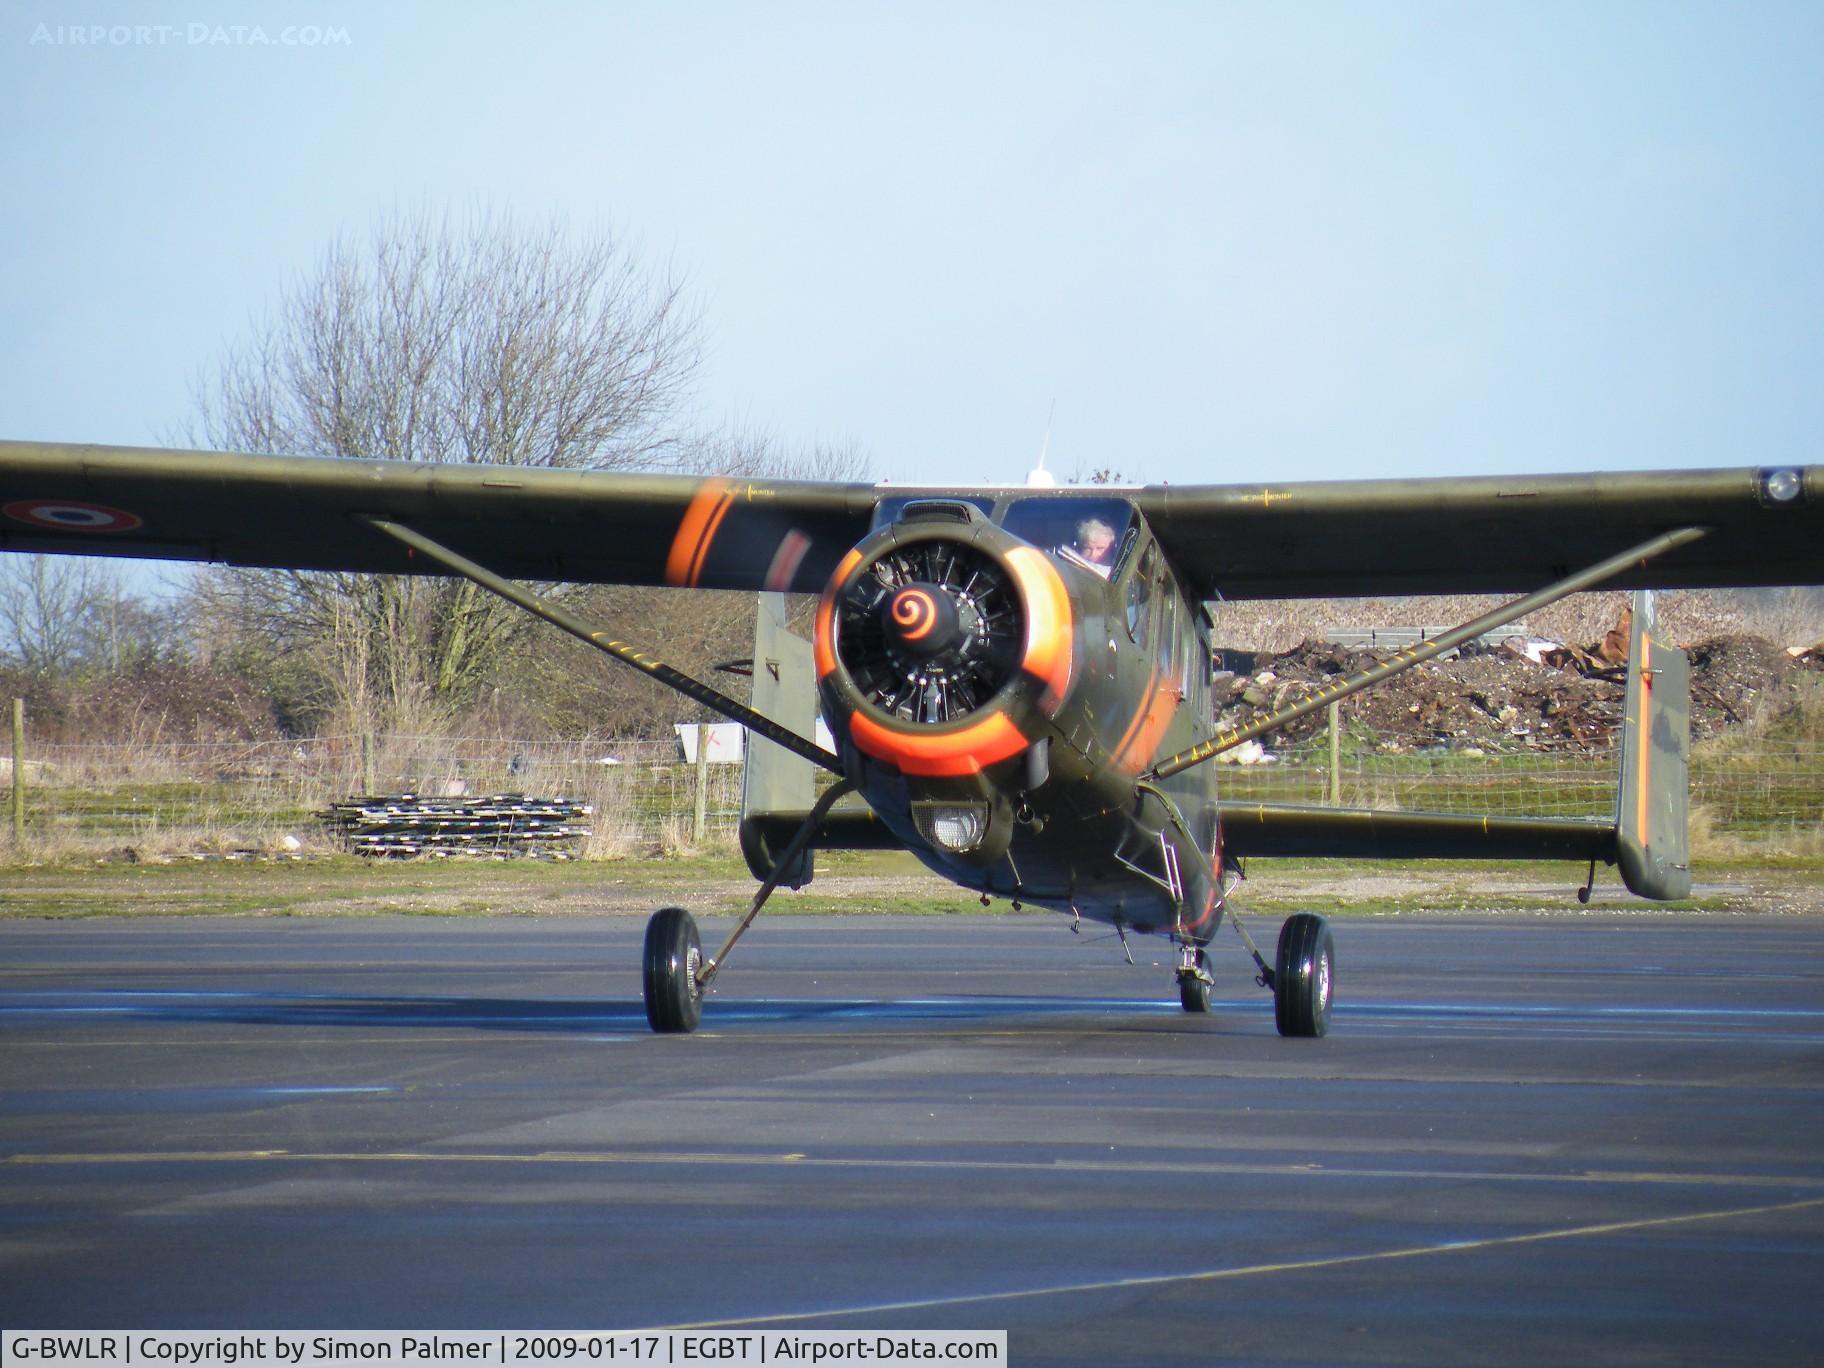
943	644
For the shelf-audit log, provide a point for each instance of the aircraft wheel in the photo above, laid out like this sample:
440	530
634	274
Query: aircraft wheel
674	954
1193	993
1194	983
1304	976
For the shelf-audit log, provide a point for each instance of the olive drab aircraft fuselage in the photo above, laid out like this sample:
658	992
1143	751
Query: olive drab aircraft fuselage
1017	679
1002	695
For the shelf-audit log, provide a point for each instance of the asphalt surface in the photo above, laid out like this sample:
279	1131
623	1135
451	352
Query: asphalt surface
1538	1139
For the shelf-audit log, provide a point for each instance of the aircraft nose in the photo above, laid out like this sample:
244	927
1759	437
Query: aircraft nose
922	620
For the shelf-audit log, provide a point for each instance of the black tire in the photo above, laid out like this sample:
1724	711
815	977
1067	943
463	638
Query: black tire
1304	976
674	953
1194	992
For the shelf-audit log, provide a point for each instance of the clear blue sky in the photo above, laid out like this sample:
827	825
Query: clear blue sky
1230	241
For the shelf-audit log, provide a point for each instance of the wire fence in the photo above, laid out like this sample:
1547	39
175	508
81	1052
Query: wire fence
1740	788
644	793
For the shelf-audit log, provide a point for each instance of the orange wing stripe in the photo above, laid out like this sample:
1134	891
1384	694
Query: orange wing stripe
701	519
709	537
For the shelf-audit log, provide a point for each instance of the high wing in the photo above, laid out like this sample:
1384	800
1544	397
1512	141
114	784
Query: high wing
308	513
1339	538
1490	534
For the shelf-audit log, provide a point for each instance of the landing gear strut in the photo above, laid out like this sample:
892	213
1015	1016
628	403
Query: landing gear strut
676	974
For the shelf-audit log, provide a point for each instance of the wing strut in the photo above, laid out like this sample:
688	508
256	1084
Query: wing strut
1425	650
558	617
787	859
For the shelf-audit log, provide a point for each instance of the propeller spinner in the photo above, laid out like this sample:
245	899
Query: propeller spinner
924	622
931	631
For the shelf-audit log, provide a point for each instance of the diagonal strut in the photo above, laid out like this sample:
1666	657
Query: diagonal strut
694	689
1425	650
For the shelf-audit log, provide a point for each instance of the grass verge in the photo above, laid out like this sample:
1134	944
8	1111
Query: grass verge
847	882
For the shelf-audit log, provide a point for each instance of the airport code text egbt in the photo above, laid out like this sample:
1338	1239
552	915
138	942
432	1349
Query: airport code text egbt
307	1349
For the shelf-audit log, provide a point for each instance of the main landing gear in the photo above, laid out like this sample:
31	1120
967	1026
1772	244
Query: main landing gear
676	975
673	963
1304	973
1302	977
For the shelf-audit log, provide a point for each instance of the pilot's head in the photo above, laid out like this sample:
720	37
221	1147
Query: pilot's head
1095	541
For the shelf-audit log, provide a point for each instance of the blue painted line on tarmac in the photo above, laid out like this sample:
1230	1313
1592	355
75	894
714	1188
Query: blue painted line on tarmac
332	1009
1161	1007
333	1089
166	995
1562	1010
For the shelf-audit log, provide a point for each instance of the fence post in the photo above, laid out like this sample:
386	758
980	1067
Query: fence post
367	764
1336	756
702	815
18	772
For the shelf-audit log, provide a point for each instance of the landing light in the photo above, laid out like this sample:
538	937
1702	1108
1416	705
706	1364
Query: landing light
1781	486
956	827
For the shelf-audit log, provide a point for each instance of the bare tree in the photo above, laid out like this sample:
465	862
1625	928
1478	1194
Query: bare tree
433	340
47	607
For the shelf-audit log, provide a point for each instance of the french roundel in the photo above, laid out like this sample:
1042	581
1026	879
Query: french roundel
67	515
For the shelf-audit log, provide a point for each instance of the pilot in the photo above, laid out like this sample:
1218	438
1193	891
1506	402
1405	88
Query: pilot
1096	545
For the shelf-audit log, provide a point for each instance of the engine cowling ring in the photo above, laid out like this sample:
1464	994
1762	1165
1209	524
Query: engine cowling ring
979	700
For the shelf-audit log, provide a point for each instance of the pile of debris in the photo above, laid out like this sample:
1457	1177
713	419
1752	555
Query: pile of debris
499	827
1522	694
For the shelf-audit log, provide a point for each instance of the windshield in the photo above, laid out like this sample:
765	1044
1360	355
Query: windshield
889	510
1088	532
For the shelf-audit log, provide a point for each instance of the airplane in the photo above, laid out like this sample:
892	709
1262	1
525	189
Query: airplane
1017	679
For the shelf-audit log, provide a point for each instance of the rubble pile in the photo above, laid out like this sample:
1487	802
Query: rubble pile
501	826
1524	694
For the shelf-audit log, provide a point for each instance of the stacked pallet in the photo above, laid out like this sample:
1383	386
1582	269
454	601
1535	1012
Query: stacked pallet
500	827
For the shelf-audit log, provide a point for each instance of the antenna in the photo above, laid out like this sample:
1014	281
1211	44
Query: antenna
1039	477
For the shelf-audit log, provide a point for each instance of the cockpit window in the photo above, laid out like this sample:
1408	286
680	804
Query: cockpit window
889	510
1091	533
